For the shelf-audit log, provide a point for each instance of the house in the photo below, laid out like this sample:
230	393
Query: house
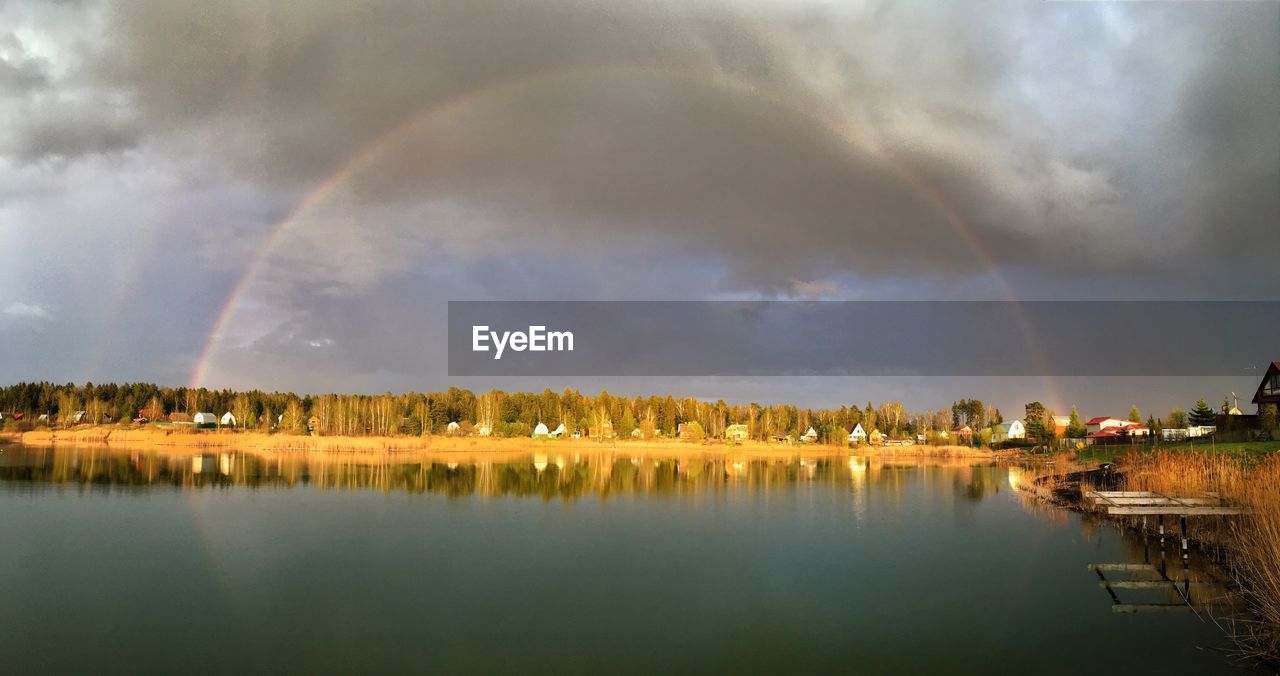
1094	425
809	436
558	431
1013	429
79	417
1269	389
541	431
857	435
228	419
736	432
875	438
1060	424
601	430
205	419
637	434
453	428
484	430
313	424
964	434
689	430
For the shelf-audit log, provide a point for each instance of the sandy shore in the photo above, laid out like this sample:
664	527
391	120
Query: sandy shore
157	438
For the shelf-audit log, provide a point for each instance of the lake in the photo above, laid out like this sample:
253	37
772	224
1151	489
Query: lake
551	562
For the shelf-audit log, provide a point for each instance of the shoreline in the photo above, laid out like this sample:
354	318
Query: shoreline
261	442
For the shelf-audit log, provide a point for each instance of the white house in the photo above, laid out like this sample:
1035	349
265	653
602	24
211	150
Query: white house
541	432
205	419
858	435
1101	423
558	431
453	428
1010	430
810	436
228	420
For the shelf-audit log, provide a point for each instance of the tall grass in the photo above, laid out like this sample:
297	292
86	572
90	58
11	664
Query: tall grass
1251	540
1184	473
1257	546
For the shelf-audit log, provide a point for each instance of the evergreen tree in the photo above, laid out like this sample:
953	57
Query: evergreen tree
1202	414
1075	428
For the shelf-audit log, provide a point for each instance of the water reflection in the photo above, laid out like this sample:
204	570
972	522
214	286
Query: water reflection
564	476
834	553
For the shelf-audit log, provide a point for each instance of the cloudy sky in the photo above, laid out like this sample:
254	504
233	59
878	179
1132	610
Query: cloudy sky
285	195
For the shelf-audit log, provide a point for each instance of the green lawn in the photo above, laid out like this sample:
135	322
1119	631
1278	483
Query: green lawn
1247	449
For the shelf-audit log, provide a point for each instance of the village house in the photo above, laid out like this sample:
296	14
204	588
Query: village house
809	436
601	430
1100	423
205	419
964	435
637	434
875	438
1008	431
228	420
736	432
1105	427
453	428
857	435
1269	389
541	431
1060	423
558	431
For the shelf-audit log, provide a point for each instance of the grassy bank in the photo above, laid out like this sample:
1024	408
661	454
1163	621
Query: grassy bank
1255	450
252	441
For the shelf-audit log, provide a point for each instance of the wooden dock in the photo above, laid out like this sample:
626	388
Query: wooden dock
1143	503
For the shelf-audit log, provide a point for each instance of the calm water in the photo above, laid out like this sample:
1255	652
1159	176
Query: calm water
156	562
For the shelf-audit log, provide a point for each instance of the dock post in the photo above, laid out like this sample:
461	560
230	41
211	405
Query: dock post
1184	538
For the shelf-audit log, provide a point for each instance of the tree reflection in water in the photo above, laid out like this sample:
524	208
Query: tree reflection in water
565	475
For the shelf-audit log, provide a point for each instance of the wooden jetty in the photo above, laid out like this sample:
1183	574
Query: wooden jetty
1144	503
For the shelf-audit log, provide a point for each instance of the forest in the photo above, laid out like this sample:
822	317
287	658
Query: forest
507	414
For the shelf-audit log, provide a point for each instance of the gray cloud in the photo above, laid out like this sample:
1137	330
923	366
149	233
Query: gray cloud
791	144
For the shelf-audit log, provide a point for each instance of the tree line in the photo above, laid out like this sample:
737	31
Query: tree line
497	412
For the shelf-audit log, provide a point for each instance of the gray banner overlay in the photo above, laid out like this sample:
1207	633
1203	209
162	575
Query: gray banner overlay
873	338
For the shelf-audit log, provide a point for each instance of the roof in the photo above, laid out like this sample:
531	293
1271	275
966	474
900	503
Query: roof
1101	418
1272	369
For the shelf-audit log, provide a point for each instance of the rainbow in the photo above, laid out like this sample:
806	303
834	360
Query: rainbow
805	106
